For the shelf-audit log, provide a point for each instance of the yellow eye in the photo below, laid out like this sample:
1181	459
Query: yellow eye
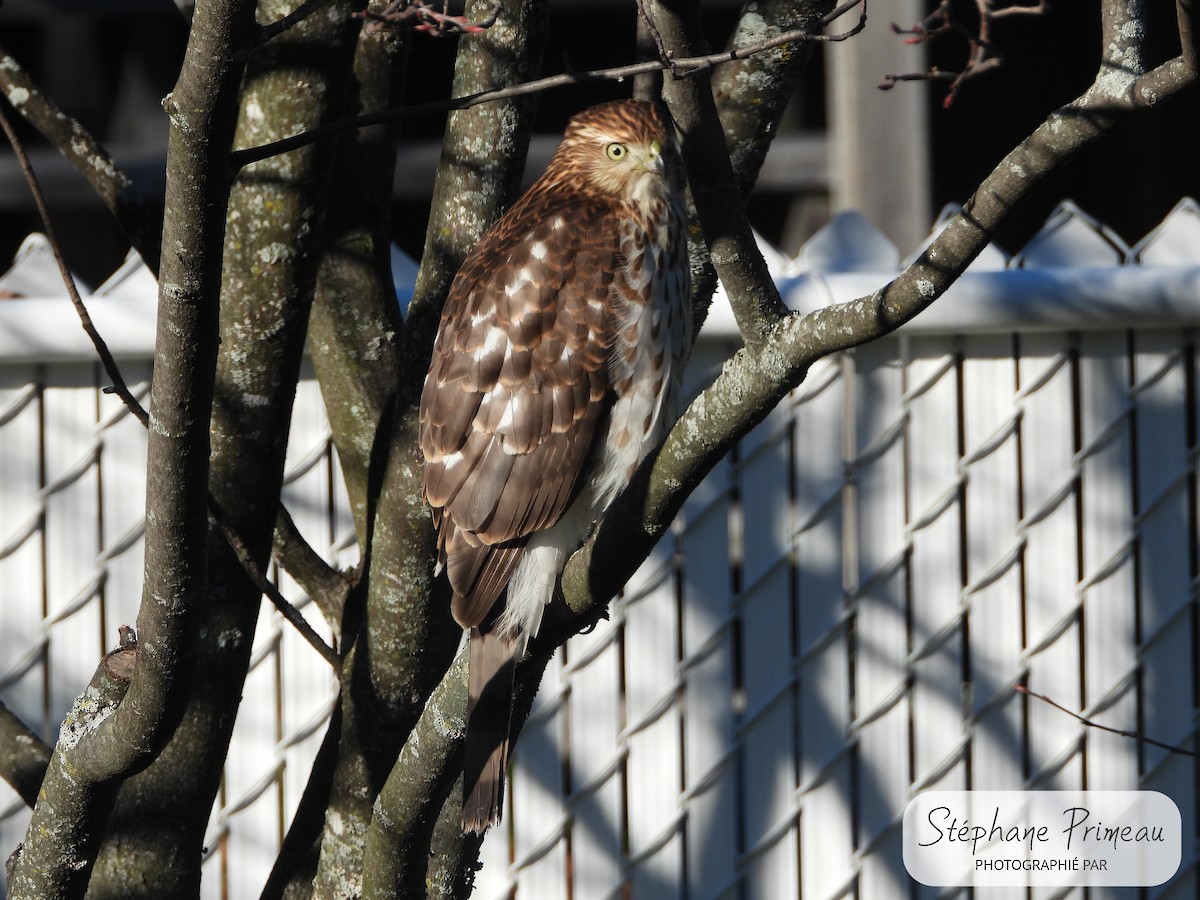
616	151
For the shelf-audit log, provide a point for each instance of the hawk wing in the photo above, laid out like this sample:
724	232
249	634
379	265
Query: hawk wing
518	383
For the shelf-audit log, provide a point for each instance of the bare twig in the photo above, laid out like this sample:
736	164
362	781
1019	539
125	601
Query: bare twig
982	54
23	756
423	16
1187	14
297	15
1123	732
241	158
264	584
1043	6
326	585
106	359
140	224
934	74
664	55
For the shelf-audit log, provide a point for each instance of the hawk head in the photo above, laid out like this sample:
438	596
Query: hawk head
620	149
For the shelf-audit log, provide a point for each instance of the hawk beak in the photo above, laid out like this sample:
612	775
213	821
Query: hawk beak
655	162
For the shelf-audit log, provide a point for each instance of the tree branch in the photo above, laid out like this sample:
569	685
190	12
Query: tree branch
325	585
264	585
482	160
732	247
141	226
1121	732
1187	14
620	73
407	806
106	359
752	93
411	809
279	26
266	273
23	756
84	775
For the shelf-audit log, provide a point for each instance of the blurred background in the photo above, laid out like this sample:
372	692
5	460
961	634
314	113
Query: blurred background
898	155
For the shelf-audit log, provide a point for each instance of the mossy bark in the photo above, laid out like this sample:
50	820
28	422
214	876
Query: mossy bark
293	82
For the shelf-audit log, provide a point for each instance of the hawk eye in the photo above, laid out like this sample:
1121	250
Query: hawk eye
616	151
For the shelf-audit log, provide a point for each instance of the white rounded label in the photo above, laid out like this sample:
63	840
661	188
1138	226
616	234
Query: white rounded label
1044	838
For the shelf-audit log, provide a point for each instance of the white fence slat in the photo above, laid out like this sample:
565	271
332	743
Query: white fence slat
307	682
1164	533
880	538
595	756
932	476
22	597
344	551
1175	241
1108	582
764	475
21	537
712	808
656	841
880	633
652	721
492	880
883	789
1071	239
819	407
993	577
72	532
123	495
935	567
537	791
1051	551
883	873
254	824
213	885
774	871
768	762
1163	467
827	832
709	771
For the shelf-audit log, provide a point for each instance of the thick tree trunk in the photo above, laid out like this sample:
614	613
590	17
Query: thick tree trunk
297	80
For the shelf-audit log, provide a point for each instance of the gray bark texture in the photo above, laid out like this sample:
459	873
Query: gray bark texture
292	252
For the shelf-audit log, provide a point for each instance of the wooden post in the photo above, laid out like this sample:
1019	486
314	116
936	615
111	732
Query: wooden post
879	150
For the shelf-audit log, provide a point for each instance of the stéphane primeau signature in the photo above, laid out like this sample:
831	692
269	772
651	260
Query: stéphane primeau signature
1130	838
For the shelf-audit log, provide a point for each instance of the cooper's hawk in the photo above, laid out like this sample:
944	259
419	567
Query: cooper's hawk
557	368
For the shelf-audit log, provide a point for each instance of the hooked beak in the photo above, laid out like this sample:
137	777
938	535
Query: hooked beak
654	162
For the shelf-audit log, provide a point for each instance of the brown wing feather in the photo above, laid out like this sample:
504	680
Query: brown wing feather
489	708
518	383
478	573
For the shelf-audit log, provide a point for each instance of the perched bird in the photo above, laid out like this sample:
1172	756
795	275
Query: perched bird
557	368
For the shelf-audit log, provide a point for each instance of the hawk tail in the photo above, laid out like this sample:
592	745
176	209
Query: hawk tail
489	710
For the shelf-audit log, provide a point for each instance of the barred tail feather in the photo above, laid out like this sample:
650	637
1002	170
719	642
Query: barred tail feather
489	710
